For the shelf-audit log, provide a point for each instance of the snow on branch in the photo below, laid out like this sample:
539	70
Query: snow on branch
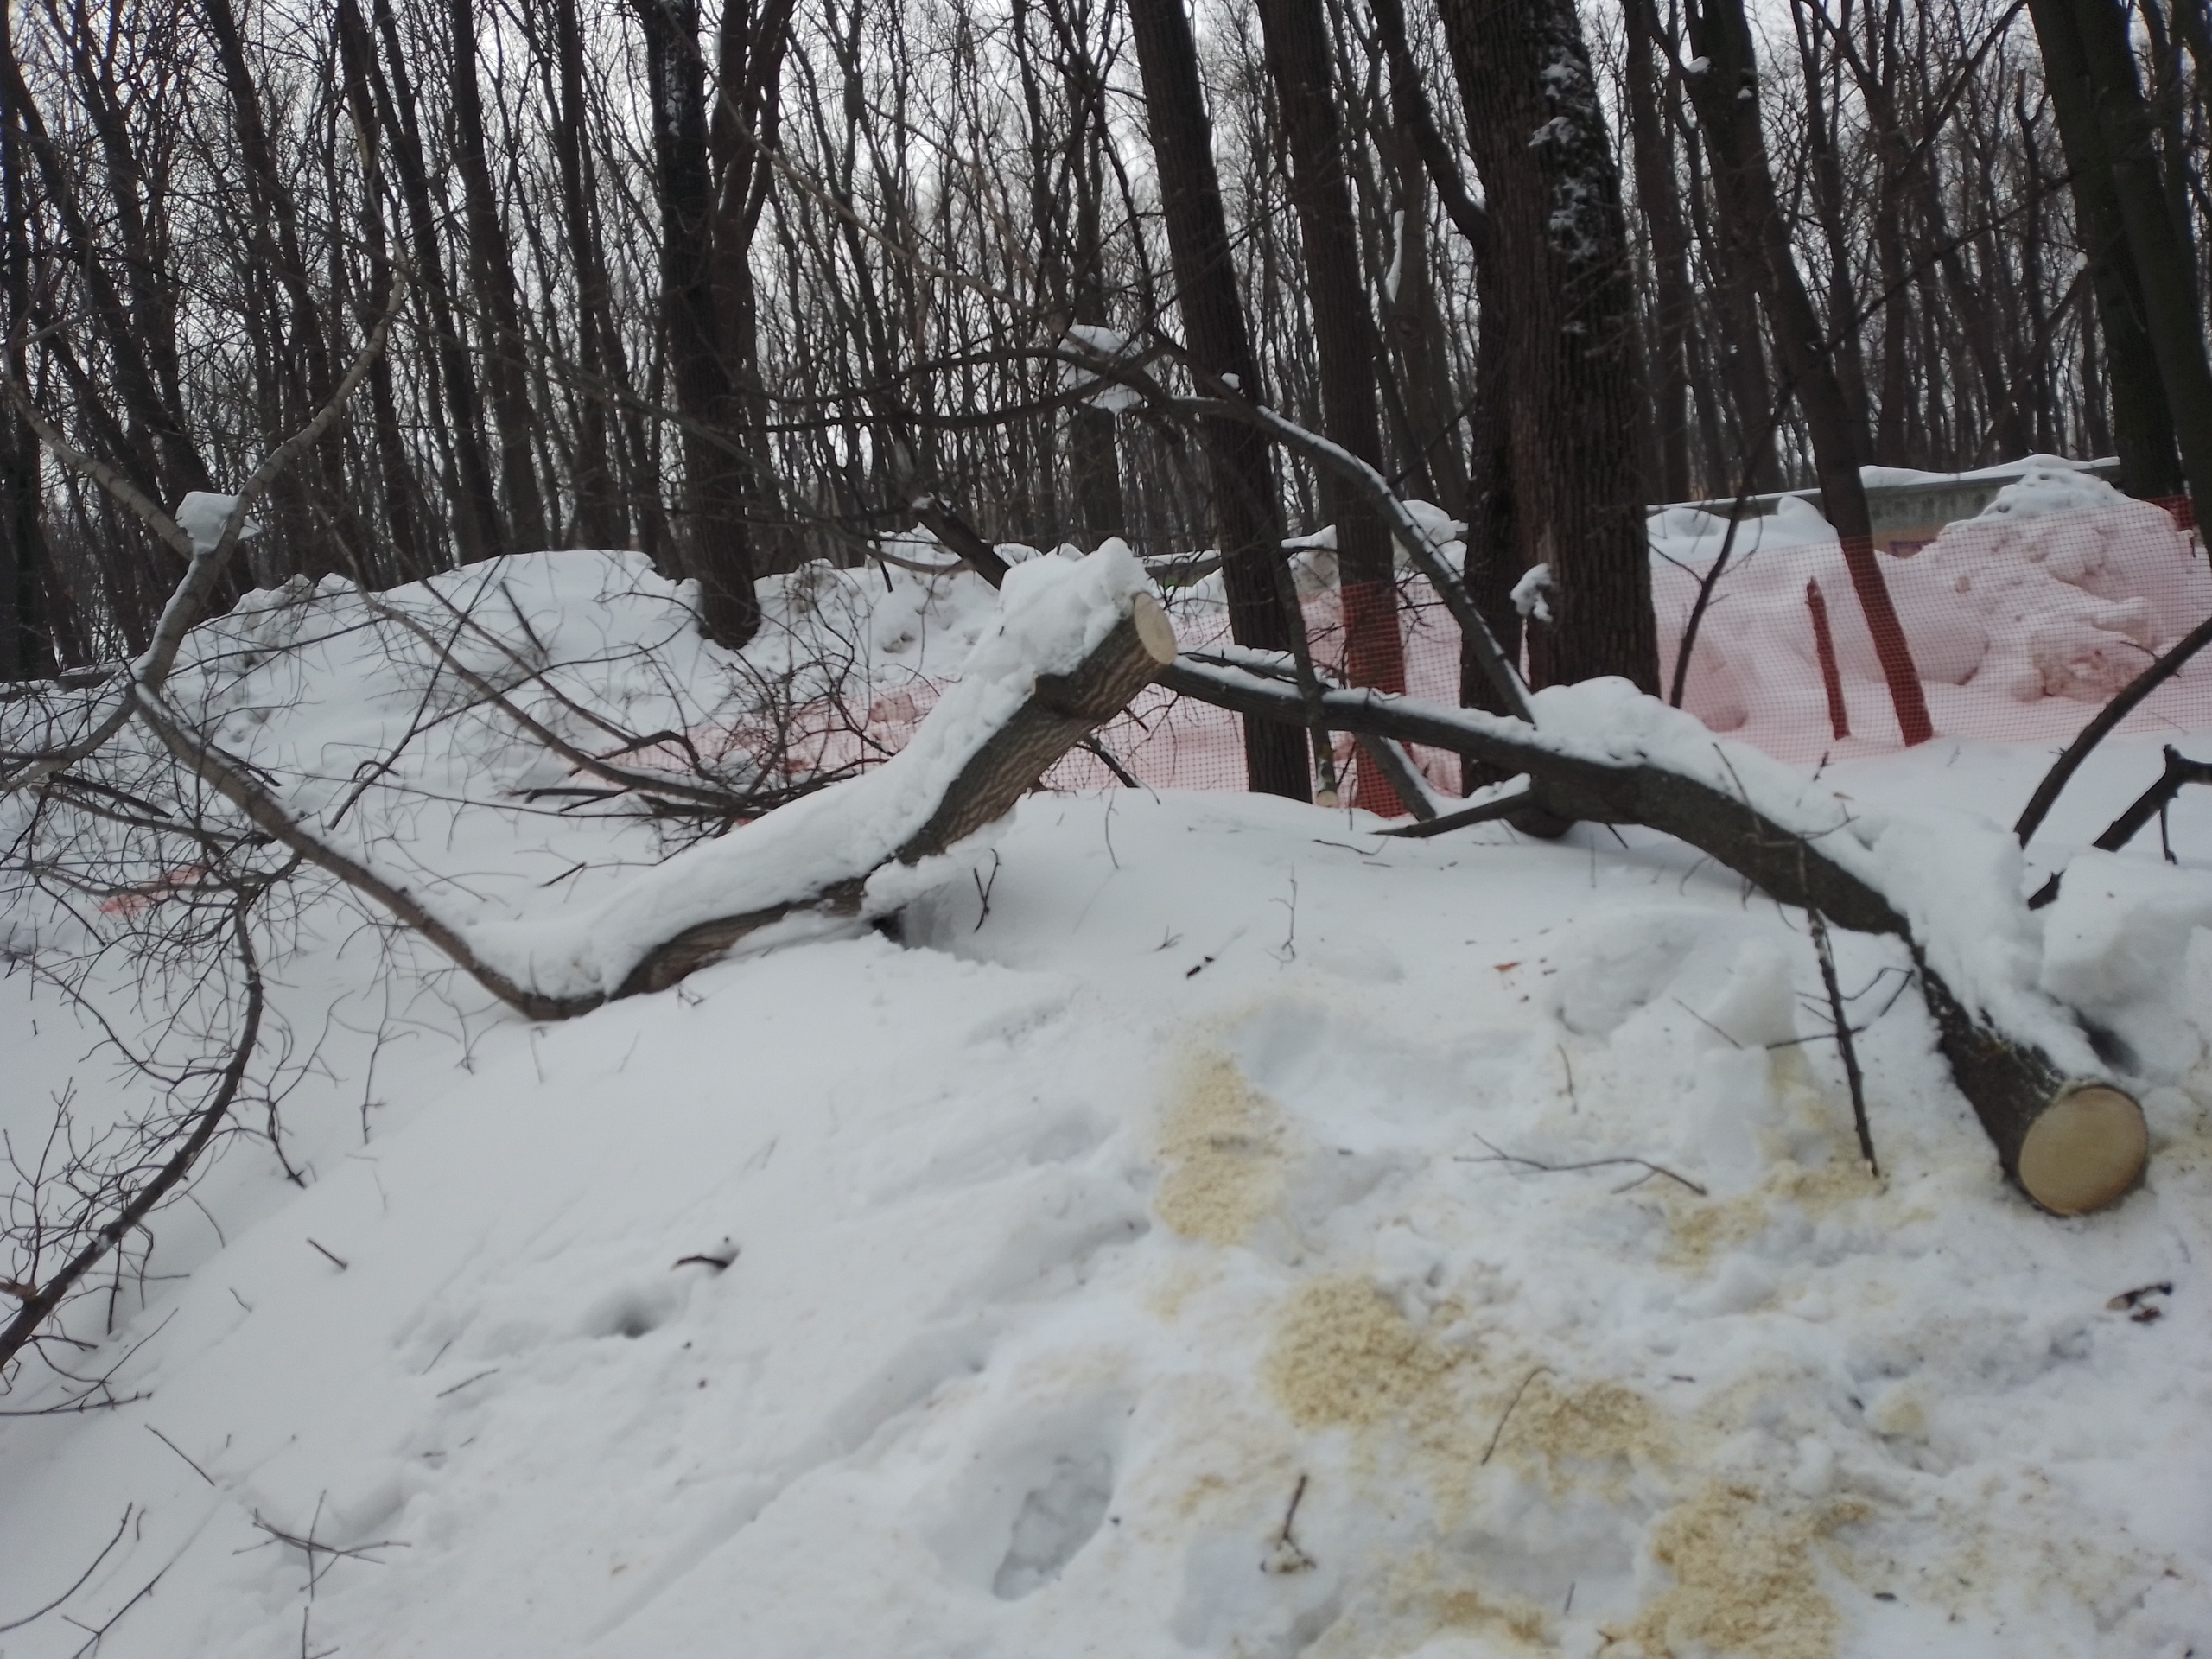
1074	642
1946	884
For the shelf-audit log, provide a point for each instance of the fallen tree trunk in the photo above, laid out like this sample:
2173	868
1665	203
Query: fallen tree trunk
1062	709
2073	1144
2071	1139
1074	644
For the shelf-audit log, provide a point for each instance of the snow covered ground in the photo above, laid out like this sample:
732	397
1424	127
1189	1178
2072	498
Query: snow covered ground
1207	1230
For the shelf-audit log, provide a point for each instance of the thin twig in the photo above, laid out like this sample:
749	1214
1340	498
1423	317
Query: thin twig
181	1452
33	1617
342	1263
1644	1164
1289	1556
1498	1433
1844	1045
35	1312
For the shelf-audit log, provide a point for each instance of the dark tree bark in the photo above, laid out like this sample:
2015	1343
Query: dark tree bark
1757	236
1493	562
599	521
719	546
1566	282
1297	34
178	466
1740	357
356	57
1246	518
741	132
1657	193
1416	332
314	521
1094	446
2109	139
491	280
1827	196
26	647
478	526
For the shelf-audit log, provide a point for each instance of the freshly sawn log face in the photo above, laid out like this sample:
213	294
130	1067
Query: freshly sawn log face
2072	1144
1062	709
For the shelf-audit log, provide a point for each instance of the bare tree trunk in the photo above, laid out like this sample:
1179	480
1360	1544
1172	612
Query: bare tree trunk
2108	138
26	647
1493	562
1061	710
1725	93
1433	414
1246	516
1299	61
492	277
749	70
599	517
1566	285
2074	1143
1094	447
1657	193
314	518
477	525
179	465
356	54
720	547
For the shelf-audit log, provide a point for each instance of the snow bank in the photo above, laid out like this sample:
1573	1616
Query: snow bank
1220	1174
2059	593
2129	943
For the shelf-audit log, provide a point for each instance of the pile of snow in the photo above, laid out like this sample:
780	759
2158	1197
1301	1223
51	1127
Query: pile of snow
2058	593
1692	537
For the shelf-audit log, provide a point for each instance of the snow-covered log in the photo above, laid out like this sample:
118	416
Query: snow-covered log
1946	884
1060	710
1074	643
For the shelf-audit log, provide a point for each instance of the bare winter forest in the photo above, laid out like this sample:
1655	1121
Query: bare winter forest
735	290
1355	903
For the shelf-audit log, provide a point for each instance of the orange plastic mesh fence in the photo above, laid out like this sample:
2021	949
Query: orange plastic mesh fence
2020	628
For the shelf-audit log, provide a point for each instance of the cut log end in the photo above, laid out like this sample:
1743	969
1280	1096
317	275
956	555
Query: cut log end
2086	1150
2072	1144
1154	631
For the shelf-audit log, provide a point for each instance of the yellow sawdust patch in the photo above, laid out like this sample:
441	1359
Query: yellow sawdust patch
1514	1618
1746	1579
1344	1354
1222	1142
1705	1228
1594	1423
